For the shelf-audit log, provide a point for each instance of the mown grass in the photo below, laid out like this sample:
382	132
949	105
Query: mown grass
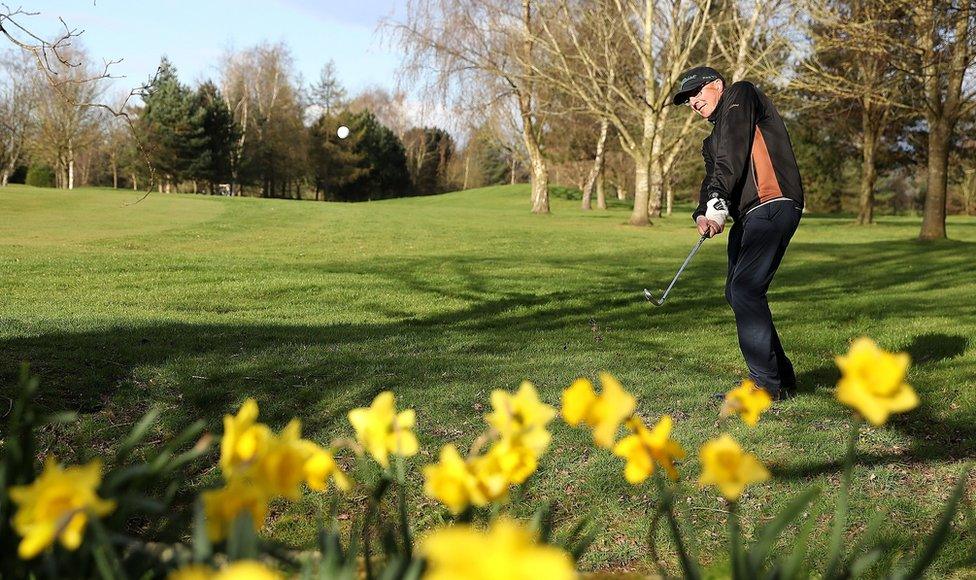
196	303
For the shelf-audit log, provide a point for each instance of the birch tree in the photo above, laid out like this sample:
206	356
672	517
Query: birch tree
484	51
622	59
18	100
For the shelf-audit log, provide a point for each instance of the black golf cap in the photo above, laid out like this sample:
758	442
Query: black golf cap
692	81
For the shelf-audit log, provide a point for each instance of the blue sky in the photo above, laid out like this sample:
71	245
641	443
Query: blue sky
194	34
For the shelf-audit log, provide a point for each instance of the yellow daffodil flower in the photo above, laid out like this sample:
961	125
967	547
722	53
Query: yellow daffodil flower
873	381
603	413
747	401
729	468
192	572
57	505
452	482
515	460
245	440
248	570
521	416
320	466
222	506
382	431
646	446
505	552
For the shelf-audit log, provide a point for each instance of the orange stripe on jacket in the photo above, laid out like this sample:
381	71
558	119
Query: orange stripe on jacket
766	183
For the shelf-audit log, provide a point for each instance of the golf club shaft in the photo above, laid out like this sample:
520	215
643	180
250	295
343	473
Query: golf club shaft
682	268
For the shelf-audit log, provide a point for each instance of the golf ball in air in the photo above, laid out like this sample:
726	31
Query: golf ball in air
343	132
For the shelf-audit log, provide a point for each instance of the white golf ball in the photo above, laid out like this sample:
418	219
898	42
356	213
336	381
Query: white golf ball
343	132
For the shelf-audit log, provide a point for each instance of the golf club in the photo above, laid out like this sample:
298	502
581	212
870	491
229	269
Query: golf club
647	293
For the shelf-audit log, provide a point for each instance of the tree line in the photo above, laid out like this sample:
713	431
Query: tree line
255	130
879	95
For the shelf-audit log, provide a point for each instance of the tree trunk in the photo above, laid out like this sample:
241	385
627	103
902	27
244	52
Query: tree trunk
4	176
656	189
71	167
869	172
621	192
668	195
601	194
537	164
135	182
115	176
933	218
639	216
597	170
467	167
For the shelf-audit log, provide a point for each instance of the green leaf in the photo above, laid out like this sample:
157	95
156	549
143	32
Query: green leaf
792	566
137	434
202	548
941	530
861	564
771	531
242	542
835	554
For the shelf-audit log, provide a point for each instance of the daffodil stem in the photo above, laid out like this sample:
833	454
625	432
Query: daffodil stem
735	542
843	501
667	502
402	497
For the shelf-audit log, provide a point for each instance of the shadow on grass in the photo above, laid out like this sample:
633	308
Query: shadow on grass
933	438
205	369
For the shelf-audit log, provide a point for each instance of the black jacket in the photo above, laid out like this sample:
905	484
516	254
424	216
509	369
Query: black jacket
748	157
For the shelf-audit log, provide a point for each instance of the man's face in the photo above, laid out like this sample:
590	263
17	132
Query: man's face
706	100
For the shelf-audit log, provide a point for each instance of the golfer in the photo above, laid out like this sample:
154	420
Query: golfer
751	177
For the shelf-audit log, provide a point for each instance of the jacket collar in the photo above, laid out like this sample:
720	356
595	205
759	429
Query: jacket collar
718	107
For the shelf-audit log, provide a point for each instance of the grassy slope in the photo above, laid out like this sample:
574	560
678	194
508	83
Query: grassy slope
197	302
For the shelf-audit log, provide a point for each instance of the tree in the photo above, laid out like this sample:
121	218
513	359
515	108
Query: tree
327	93
621	58
172	128
18	100
850	73
66	120
429	151
941	58
336	164
220	134
489	44
259	87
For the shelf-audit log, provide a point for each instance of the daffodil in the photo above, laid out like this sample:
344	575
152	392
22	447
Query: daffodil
282	468
747	401
382	431
729	468
245	440
247	570
521	416
507	551
222	506
646	446
873	381
57	505
515	460
452	482
192	572
603	413
320	467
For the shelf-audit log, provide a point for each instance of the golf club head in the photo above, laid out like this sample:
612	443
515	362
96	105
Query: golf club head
651	299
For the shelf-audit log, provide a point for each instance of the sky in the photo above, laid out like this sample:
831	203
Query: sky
193	35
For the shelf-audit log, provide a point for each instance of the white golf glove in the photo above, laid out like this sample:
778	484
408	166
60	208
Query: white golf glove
717	211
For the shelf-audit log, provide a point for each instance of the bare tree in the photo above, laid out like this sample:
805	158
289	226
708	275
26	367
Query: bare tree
458	44
18	99
68	79
390	108
943	52
63	127
852	67
327	93
633	52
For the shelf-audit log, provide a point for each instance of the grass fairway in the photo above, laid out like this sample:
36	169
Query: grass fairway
196	303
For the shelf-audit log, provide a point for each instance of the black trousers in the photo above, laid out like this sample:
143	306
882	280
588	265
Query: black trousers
757	244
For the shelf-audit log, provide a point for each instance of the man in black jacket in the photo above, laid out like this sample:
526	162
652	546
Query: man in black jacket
752	177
